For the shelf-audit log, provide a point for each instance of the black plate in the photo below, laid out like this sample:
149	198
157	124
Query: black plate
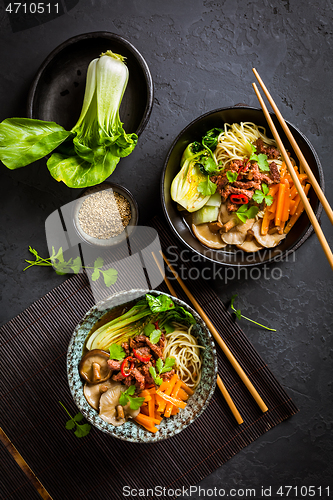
194	132
57	91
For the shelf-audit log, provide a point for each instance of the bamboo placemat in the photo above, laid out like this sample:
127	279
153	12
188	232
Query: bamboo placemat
33	355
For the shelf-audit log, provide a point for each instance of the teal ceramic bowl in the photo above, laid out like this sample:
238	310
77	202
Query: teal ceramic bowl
131	431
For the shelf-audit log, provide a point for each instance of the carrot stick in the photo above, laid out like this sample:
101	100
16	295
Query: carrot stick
283	170
151	406
272	207
285	209
167	391
145	394
149	421
183	395
265	222
187	389
144	410
293	192
174	410
174	401
280	201
273	190
294	218
158	417
174	394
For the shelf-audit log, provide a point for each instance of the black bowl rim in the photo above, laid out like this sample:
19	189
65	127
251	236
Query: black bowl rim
292	249
98	34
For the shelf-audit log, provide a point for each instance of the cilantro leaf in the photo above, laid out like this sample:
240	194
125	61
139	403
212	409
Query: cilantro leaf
95	275
157	380
70	424
117	352
98	263
110	276
135	403
263	163
253	157
232	176
244	213
169	362
260	196
159	365
207	187
169	328
78	417
76	266
148	329
155	336
82	430
207	165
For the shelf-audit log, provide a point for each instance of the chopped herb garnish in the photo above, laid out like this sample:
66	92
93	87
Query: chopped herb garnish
117	352
260	196
159	303
161	368
148	329
263	163
207	165
244	212
232	176
81	429
207	187
126	397
239	315
155	336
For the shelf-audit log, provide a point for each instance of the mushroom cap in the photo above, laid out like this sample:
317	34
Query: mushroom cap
250	246
224	216
268	240
108	402
207	237
237	235
86	368
93	392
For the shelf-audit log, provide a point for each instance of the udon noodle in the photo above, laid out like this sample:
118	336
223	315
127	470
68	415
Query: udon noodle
183	346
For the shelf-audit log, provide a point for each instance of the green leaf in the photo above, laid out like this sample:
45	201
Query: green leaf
148	329
135	403
168	327
117	352
269	200
159	303
169	362
238	313
157	380
181	315
244	213
70	424
253	157
23	141
82	430
265	188
207	187
232	176
210	139
96	274
258	196
155	336
33	251
208	164
57	256
76	266
263	163
123	399
78	417
98	263
110	276
159	365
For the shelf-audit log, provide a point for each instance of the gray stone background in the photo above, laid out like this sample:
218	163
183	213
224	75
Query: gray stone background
200	55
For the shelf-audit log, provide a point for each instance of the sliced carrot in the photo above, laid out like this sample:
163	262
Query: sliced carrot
174	410
170	399
280	202
145	394
149	421
151	406
285	209
158	417
265	223
174	394
144	410
295	217
293	192
272	207
273	189
151	391
283	170
170	385
183	395
296	201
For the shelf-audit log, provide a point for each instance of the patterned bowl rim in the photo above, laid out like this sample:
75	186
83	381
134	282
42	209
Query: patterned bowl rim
74	345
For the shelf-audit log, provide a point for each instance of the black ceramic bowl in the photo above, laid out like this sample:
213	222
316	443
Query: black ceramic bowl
194	132
57	91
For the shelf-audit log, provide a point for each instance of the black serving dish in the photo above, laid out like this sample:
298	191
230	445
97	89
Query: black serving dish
57	91
229	256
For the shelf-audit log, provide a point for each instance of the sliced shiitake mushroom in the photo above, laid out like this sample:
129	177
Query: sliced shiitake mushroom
250	246
207	237
267	240
94	366
109	410
224	216
237	235
93	392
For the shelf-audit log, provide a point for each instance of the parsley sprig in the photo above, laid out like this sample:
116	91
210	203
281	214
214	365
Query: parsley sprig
117	352
160	368
61	266
231	176
126	397
207	187
260	158
239	315
260	196
81	429
153	333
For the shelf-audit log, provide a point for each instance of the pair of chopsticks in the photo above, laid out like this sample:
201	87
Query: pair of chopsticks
218	339
303	162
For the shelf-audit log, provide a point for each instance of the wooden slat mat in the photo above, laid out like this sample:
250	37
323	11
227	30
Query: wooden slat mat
33	358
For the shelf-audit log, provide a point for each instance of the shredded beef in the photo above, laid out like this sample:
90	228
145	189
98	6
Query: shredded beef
125	346
145	372
140	379
232	207
114	365
167	375
143	351
155	348
118	377
232	190
270	151
246	185
275	174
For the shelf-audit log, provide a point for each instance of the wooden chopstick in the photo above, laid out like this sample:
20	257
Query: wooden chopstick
296	148
296	181
220	384
219	340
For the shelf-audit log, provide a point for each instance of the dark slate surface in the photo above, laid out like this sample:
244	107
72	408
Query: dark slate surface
200	55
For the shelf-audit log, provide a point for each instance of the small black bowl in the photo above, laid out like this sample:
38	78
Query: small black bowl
194	132
57	91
